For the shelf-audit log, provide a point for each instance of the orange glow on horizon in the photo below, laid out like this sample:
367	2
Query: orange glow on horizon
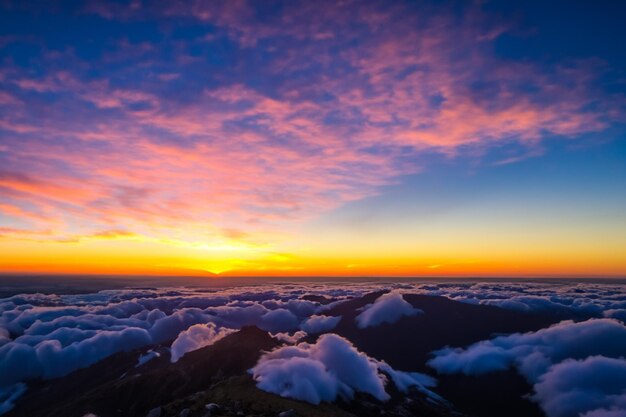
128	257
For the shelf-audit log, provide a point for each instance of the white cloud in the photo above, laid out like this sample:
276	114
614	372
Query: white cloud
168	327
586	299
593	387
279	320
300	308
576	368
196	337
320	324
43	336
533	353
52	335
330	368
57	334
388	308
238	316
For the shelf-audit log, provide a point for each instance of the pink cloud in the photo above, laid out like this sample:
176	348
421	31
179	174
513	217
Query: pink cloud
113	155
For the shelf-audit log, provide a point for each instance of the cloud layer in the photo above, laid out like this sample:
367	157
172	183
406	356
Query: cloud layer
45	336
566	298
54	336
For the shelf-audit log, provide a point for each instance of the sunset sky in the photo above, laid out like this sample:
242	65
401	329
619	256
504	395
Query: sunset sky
359	138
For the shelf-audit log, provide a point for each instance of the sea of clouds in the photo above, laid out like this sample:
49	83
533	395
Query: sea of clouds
582	299
50	335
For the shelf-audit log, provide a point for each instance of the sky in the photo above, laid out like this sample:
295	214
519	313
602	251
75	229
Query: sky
348	138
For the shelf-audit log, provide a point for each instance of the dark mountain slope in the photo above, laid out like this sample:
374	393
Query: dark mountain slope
407	344
114	387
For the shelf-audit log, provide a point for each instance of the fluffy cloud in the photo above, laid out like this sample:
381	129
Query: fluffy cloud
320	324
593	387
576	368
235	316
330	368
168	327
388	308
279	320
45	336
619	314
196	337
40	327
50	359
300	308
533	353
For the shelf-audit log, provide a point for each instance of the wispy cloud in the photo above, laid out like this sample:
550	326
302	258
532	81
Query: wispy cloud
264	120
